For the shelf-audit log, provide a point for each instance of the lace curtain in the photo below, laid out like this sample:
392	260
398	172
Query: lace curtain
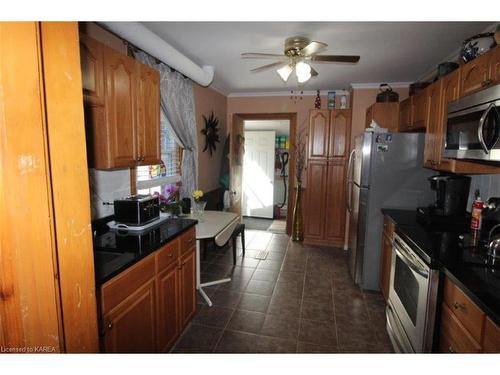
177	107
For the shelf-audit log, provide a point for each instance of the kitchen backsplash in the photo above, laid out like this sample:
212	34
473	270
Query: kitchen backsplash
105	186
488	185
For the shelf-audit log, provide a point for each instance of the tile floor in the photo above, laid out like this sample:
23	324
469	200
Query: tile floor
300	299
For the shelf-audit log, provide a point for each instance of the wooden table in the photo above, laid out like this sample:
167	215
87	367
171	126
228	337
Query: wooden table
216	225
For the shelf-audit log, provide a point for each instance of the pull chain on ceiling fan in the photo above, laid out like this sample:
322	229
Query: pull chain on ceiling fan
298	54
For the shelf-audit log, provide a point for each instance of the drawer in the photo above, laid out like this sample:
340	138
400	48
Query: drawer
167	255
389	227
114	291
187	240
471	317
454	338
491	341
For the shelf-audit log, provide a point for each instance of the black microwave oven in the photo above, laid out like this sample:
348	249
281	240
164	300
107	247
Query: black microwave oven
473	126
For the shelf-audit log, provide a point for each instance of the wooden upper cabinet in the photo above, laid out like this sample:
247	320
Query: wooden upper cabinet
491	339
418	110
405	114
318	133
91	60
433	136
121	91
386	115
339	132
495	65
477	74
130	327
148	115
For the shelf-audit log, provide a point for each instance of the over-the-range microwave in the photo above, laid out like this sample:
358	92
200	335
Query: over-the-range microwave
473	126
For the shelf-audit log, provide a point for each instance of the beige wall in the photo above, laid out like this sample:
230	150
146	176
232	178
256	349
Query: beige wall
361	99
207	100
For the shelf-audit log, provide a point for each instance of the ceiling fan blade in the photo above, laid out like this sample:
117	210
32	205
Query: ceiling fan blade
335	58
314	73
251	55
313	48
268	66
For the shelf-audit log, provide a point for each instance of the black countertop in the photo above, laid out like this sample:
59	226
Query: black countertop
115	251
446	249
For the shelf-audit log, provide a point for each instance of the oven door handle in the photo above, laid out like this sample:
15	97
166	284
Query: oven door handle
409	262
481	125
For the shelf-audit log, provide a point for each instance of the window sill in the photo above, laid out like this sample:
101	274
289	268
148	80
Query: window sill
157	181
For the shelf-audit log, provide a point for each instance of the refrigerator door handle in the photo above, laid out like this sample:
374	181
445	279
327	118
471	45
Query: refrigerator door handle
348	180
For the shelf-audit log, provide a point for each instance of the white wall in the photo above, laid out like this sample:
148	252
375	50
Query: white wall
107	186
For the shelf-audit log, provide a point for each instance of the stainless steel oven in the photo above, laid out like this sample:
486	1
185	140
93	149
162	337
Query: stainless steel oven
412	300
473	126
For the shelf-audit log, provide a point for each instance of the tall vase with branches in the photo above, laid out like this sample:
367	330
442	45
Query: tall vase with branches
300	160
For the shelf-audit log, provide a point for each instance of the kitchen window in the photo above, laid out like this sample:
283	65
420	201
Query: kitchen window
152	178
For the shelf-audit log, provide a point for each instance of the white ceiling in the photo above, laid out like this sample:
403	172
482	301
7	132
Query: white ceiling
281	127
390	51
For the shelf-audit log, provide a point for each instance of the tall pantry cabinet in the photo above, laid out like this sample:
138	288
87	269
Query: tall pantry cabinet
325	195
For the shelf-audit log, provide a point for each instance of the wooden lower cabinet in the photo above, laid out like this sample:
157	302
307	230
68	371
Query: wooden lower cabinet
454	337
335	202
145	308
314	225
491	339
188	287
386	257
168	307
130	327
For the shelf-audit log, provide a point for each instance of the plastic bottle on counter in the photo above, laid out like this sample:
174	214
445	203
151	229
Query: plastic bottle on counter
476	216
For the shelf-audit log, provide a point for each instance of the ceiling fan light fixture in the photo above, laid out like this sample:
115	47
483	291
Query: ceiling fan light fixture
285	72
303	71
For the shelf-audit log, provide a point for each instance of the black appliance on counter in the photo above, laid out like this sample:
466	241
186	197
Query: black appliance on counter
452	193
137	210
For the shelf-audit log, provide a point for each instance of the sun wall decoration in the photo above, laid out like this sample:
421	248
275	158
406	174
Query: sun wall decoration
211	132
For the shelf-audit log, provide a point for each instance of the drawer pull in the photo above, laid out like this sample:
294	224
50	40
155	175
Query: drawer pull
457	305
170	255
451	350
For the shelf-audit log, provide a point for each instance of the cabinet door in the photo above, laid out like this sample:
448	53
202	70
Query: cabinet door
475	75
314	225
168	307
148	115
405	114
385	265
433	128
339	133
418	110
491	339
454	338
188	287
335	215
130	327
121	92
318	133
92	66
495	65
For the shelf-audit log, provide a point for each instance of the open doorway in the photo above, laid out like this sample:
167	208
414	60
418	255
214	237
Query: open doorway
266	174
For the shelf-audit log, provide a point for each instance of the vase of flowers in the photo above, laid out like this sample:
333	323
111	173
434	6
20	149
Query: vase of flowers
300	158
199	203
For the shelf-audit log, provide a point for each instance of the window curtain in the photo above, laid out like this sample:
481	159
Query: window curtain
178	114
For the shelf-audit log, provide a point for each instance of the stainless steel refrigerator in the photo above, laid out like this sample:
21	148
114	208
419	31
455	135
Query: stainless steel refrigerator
385	170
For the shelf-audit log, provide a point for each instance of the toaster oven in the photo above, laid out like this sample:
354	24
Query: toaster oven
137	210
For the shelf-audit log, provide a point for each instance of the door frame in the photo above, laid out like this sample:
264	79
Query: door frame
236	128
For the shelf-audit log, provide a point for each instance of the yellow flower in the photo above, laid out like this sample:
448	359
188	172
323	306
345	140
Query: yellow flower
197	194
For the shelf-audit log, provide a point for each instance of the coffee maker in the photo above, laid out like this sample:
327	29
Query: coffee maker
449	207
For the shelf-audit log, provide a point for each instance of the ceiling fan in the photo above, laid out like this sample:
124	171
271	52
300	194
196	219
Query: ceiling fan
298	54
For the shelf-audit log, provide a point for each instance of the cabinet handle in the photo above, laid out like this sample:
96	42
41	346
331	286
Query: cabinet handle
110	325
138	159
451	350
170	255
486	83
457	305
143	158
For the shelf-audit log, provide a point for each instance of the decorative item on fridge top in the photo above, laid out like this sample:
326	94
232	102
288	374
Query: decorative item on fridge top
476	46
211	133
331	99
317	101
386	94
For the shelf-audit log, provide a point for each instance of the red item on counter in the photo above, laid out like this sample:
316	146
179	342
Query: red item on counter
477	208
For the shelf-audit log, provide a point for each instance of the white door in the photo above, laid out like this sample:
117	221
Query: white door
258	174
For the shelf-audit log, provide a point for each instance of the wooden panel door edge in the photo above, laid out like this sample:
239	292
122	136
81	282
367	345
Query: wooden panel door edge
70	185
